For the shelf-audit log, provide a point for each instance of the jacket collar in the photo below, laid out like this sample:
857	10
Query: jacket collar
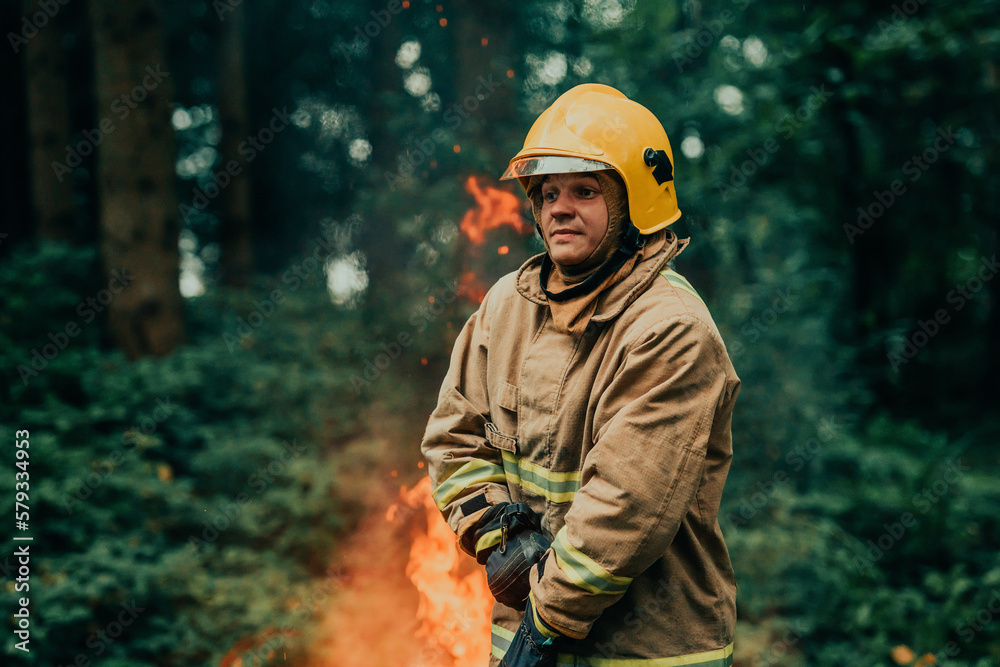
614	299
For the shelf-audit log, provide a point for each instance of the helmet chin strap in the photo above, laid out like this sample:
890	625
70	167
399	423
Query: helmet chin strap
631	242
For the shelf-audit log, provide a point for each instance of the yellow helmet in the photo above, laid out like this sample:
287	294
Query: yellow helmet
593	127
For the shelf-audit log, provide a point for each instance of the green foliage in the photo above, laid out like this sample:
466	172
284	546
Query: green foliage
849	532
201	487
880	539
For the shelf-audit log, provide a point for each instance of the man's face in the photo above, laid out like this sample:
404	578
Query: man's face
574	216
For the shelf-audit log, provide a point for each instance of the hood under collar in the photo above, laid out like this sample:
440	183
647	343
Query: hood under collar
615	298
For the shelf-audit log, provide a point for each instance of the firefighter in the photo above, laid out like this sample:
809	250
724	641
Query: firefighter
582	434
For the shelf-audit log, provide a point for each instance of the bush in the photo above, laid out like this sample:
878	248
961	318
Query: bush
885	539
197	494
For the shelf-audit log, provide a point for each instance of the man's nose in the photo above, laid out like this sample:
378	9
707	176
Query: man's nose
562	206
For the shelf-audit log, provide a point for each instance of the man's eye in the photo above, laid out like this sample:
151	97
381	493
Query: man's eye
587	192
549	196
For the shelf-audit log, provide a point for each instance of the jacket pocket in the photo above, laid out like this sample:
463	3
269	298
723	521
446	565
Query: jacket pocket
498	440
503	415
507	396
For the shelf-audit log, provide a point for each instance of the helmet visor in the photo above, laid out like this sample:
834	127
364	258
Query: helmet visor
551	164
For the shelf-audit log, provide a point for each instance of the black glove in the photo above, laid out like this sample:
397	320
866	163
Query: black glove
535	644
508	540
508	567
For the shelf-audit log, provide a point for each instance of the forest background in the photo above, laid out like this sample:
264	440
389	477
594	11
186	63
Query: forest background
232	268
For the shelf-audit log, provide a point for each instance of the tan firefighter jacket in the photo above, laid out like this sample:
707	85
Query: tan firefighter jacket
620	438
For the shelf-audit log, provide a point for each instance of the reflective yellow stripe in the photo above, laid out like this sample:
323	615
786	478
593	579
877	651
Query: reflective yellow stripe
584	571
473	472
675	277
490	539
540	625
556	487
681	283
534	468
720	657
500	640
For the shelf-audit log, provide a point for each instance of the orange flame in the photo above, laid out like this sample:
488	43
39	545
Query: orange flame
455	602
437	614
495	208
471	287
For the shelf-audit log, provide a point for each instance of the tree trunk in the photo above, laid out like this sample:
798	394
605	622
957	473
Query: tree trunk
139	219
15	220
235	237
49	129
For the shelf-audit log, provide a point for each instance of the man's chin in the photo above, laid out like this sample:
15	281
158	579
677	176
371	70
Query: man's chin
563	260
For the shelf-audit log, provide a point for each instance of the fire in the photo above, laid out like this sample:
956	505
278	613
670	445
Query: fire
495	208
471	287
455	602
421	604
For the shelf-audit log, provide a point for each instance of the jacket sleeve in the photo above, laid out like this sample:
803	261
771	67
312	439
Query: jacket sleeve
466	475
652	427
